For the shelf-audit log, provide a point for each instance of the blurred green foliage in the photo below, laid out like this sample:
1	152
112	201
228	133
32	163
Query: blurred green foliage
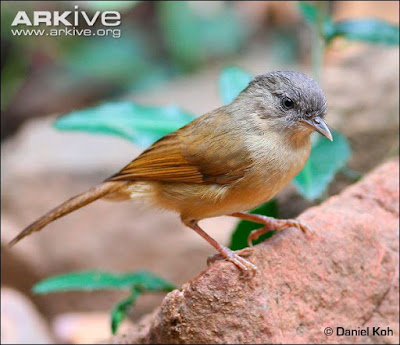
232	81
370	30
136	282
326	159
122	309
97	280
193	37
12	75
142	125
14	61
186	35
125	60
311	14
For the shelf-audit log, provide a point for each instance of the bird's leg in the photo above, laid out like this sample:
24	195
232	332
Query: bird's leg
247	268
269	223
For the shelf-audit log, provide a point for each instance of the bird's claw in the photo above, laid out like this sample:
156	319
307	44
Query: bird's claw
278	224
248	270
301	226
298	224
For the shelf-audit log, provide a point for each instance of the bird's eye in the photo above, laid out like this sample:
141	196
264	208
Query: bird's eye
287	103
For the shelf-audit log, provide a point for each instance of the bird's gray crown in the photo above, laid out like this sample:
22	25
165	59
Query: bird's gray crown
303	90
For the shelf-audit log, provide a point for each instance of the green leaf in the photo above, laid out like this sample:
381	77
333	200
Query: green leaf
325	160
232	81
121	310
97	280
140	124
368	30
243	229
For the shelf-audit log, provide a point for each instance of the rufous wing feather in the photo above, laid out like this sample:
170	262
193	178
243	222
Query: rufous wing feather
191	155
163	161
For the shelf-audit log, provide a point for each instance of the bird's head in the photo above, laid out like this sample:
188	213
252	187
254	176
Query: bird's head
290	100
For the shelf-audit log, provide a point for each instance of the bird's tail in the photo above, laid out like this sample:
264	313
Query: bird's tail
68	206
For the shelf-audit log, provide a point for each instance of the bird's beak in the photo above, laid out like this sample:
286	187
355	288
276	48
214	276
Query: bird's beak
317	124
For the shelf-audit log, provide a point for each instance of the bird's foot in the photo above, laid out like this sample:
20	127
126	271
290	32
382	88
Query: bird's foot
277	224
247	268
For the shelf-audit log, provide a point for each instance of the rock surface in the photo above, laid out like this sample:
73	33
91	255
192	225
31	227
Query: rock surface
344	275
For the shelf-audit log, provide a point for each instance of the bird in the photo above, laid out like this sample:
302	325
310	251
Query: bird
225	162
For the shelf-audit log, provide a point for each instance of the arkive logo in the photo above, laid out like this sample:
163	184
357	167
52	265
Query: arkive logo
67	18
73	23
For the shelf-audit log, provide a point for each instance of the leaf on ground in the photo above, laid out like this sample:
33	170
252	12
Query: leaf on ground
243	229
140	124
232	81
326	159
97	280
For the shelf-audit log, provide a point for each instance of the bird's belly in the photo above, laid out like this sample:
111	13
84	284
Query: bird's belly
254	192
200	201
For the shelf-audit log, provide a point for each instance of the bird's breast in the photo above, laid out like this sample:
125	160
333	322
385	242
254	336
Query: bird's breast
276	162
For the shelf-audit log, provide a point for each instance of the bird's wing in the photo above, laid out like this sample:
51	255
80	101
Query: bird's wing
204	151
